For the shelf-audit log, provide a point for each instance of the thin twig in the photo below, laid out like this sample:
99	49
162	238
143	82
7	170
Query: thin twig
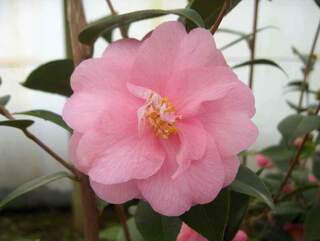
226	5
114	13
307	69
294	162
32	137
253	42
123	219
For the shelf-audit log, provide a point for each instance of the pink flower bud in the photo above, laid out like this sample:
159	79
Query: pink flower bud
312	178
287	188
298	142
263	161
240	236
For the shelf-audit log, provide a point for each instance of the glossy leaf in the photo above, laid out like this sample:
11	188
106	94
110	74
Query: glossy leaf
4	100
260	62
238	208
311	225
297	125
47	115
209	10
210	220
52	77
31	185
20	124
154	226
247	182
95	29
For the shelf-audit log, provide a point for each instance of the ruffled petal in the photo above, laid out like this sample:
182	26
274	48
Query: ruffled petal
116	193
156	56
231	167
130	158
199	184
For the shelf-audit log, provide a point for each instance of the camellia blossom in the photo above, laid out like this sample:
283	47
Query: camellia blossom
312	178
263	161
188	234
296	230
161	119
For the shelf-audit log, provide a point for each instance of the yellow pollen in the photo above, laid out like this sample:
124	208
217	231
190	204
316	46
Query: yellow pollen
162	118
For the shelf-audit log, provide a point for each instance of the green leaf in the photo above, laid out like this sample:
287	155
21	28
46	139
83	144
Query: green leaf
154	226
247	182
90	33
245	37
289	209
209	10
47	115
300	190
210	220
311	225
20	124
4	100
296	107
260	61
31	185
52	77
238	208
317	2
316	165
280	155
297	125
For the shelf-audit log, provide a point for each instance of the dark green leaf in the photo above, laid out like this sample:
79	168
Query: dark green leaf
90	33
238	208
20	124
317	2
4	100
297	125
289	209
31	185
247	182
52	77
311	225
302	57
49	116
154	226
316	165
209	10
296	107
245	37
260	61
210	220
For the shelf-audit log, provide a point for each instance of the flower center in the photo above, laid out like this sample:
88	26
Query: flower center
162	116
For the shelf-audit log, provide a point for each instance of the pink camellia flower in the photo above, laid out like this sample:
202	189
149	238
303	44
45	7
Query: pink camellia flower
287	188
161	119
263	161
188	234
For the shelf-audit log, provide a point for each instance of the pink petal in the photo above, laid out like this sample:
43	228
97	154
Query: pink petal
198	50
198	85
188	234
116	193
232	131
130	158
193	139
231	167
155	59
83	110
200	183
73	145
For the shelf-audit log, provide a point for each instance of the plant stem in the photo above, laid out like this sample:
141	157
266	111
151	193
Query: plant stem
80	52
307	69
123	219
114	13
32	137
253	42
294	162
226	5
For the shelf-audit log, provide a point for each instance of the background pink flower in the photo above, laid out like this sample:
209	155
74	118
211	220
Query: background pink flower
188	234
161	119
263	161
